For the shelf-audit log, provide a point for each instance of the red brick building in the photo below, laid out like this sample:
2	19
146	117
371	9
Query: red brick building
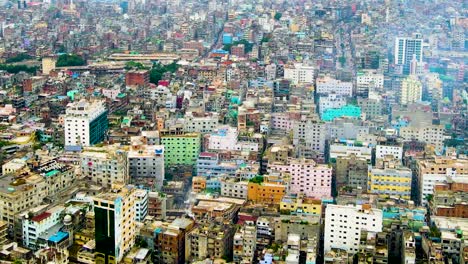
137	78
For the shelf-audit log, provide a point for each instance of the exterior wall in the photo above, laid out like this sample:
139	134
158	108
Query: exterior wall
146	166
85	124
395	182
299	74
266	193
396	151
181	149
234	189
307	178
343	225
328	85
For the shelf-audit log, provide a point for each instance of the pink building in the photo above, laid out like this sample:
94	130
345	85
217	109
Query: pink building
307	177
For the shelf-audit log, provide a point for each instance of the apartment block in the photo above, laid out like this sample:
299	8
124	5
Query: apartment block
146	166
307	177
328	85
343	225
85	124
104	165
244	244
210	240
390	178
181	148
115	225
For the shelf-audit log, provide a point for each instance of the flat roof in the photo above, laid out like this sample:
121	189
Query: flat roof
58	237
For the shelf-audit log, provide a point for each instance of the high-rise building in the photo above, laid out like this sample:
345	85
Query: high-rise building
181	148
85	124
299	73
104	165
343	225
115	227
404	50
146	166
411	90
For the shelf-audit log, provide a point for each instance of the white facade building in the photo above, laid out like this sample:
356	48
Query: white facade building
343	225
85	123
226	138
204	124
299	73
231	188
331	101
328	85
382	150
146	165
38	225
311	134
104	165
343	149
141	204
369	81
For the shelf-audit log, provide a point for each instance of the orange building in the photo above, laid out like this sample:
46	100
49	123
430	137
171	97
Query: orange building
271	191
198	184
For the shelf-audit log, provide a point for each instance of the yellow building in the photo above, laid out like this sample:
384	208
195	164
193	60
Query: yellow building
270	191
390	182
115	225
301	205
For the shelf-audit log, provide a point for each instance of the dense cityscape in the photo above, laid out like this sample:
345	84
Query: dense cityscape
234	131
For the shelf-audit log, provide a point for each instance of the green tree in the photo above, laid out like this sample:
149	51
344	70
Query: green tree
159	70
278	16
18	68
18	58
134	65
65	60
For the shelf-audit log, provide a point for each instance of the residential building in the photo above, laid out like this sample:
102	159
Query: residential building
384	150
307	177
245	241
298	204
310	133
431	134
170	241
39	227
343	225
369	81
141	204
233	188
210	240
438	169
299	73
226	138
104	165
201	124
270	191
405	48
146	166
372	106
331	101
347	147
115	226
137	78
351	170
411	90
390	178
328	85
85	124
181	148
350	111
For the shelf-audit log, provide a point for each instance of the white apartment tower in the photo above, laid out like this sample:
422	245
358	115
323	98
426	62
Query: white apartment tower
299	73
85	124
343	225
